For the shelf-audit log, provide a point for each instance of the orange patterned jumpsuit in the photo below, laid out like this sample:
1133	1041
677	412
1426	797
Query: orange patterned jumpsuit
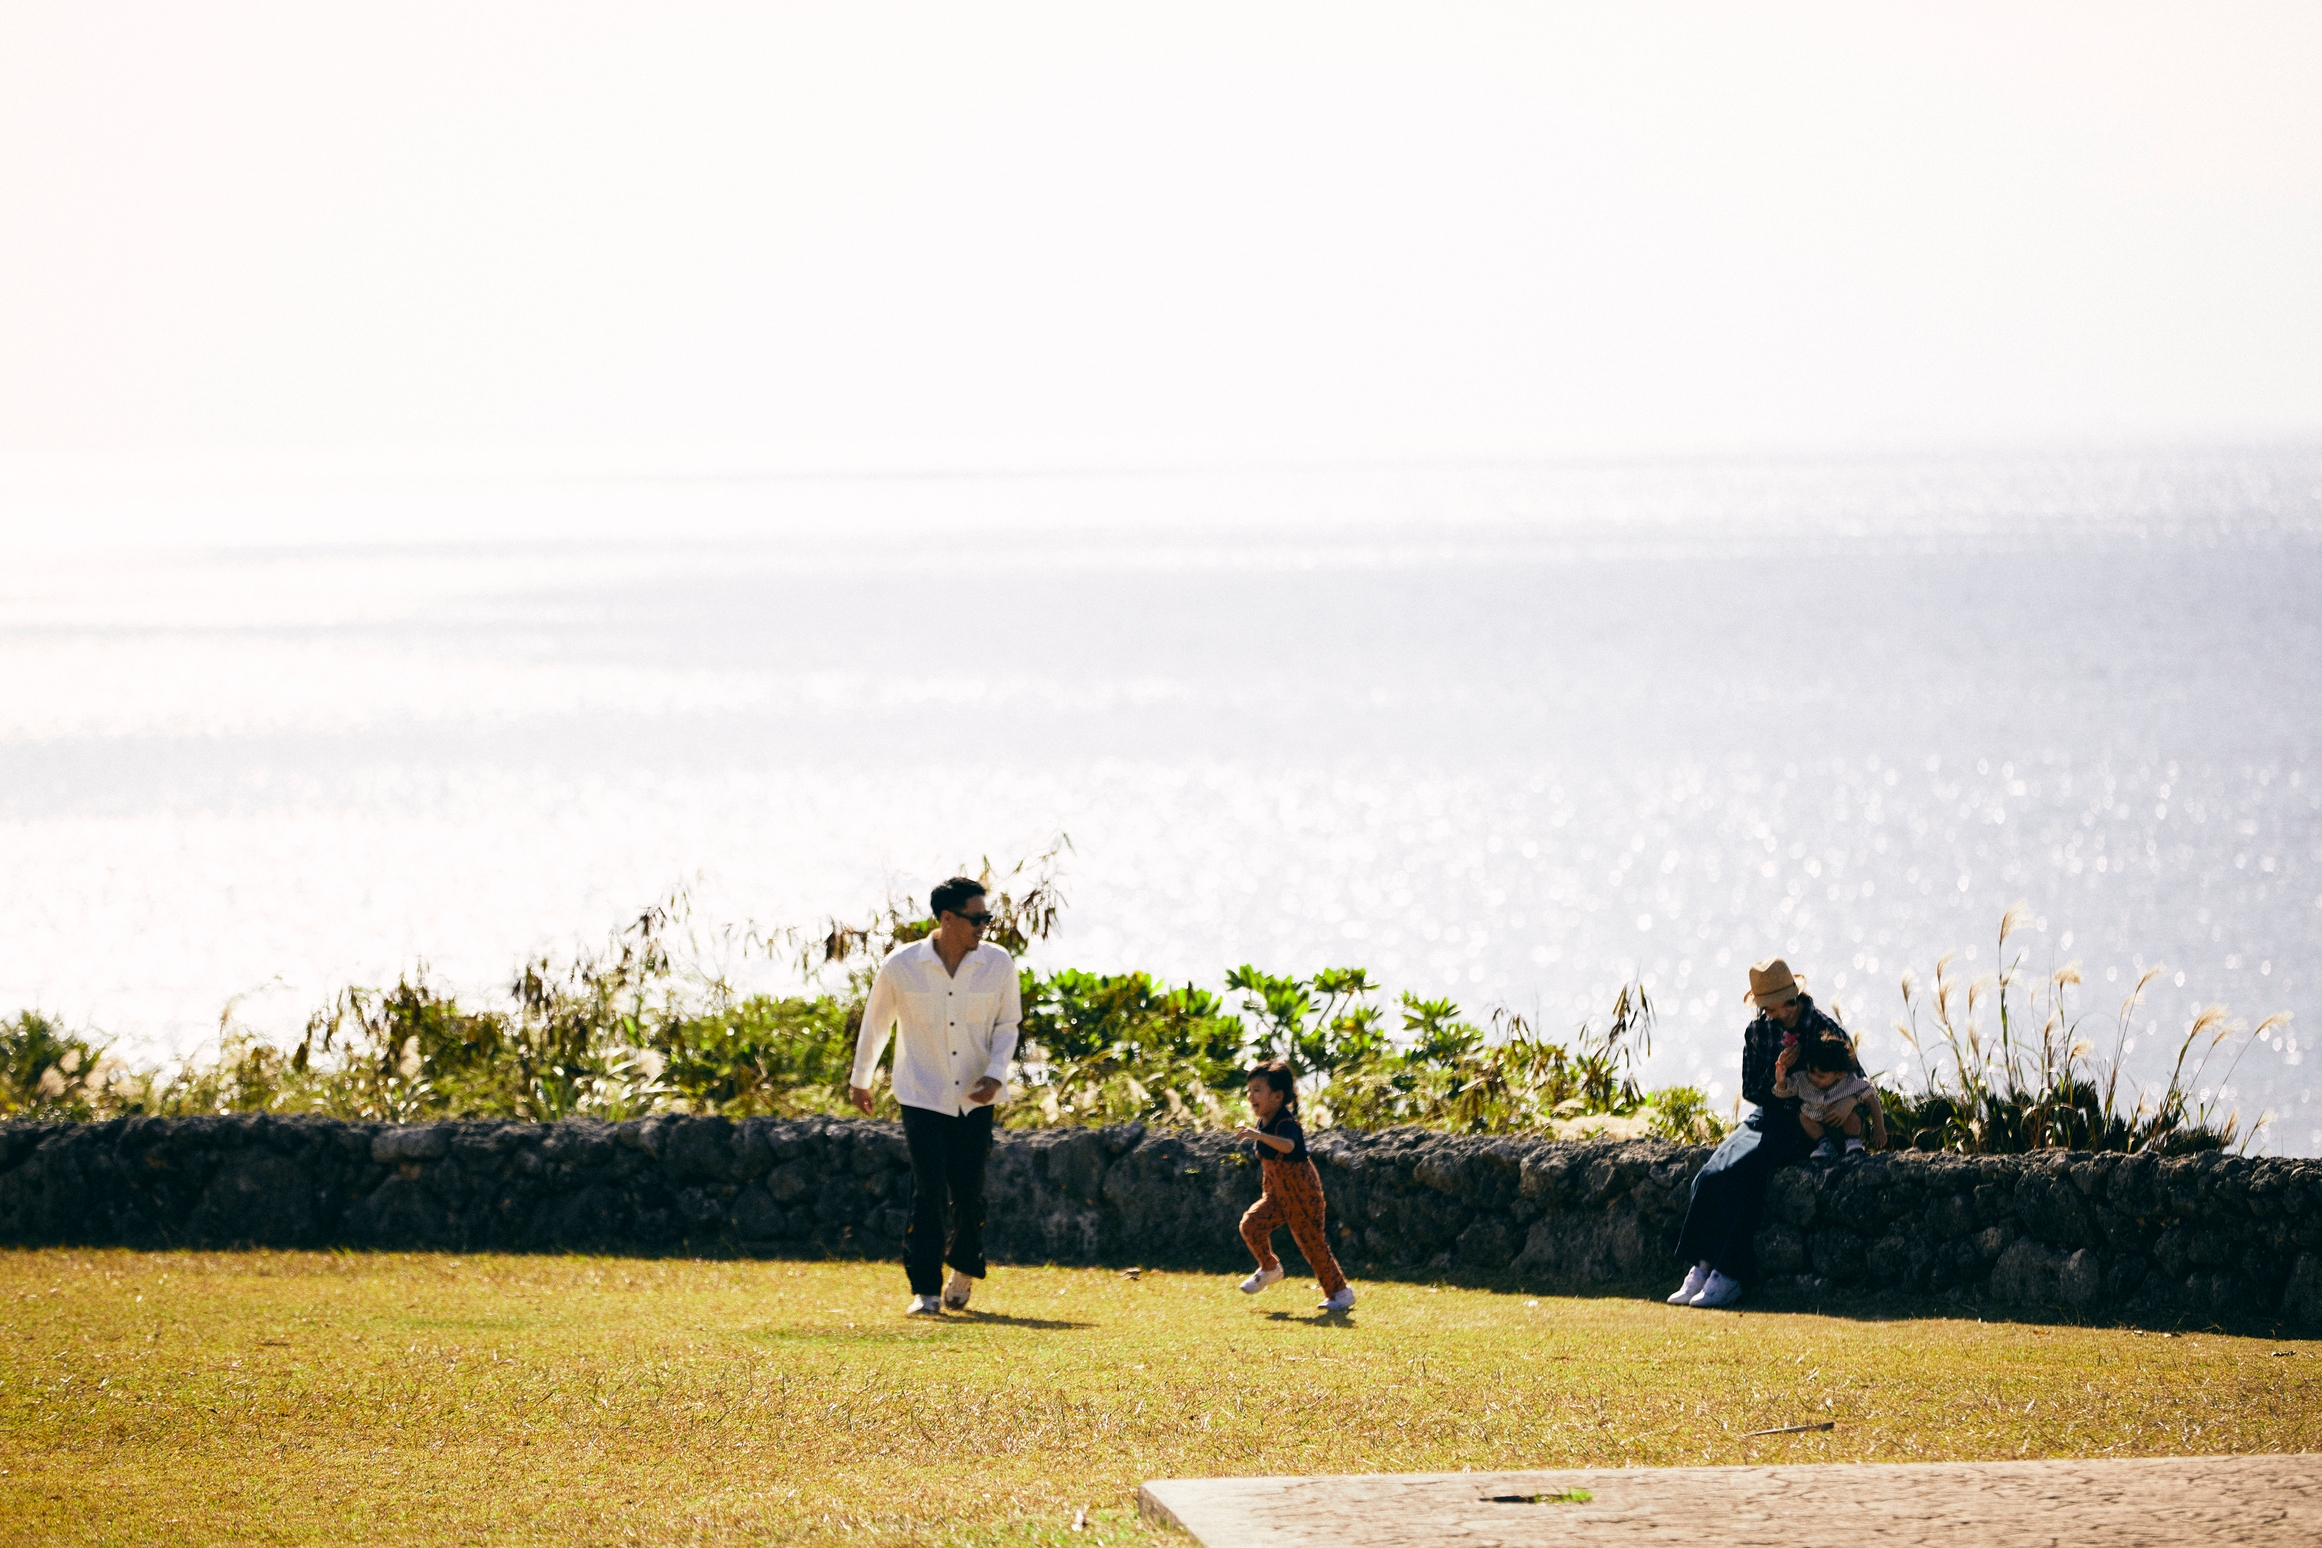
1292	1196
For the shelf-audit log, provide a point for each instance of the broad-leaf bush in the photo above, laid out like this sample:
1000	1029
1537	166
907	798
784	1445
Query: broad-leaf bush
639	1027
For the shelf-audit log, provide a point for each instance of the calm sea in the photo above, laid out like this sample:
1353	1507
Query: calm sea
1509	734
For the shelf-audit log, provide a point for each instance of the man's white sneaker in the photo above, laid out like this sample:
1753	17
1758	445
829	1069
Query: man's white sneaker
956	1293
1695	1278
1341	1302
1261	1279
1719	1291
924	1306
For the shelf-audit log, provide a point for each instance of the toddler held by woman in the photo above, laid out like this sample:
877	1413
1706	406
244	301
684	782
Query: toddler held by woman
1832	1098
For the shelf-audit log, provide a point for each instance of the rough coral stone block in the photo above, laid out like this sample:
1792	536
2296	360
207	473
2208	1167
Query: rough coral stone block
1840	1254
1792	1196
1950	1216
2302	1295
2026	1275
1485	1244
1781	1249
2080	1281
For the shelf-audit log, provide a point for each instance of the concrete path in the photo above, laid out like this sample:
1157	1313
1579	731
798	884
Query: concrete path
2180	1502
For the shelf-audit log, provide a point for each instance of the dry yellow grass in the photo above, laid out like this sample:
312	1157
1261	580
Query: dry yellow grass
324	1398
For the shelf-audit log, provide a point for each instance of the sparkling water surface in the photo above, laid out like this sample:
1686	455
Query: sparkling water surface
1509	734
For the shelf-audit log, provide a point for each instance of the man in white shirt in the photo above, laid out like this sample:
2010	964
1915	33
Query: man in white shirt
954	1005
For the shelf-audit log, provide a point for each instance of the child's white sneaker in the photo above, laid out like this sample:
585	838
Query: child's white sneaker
1720	1290
1855	1147
1827	1150
956	1293
1341	1302
924	1306
1261	1279
1695	1278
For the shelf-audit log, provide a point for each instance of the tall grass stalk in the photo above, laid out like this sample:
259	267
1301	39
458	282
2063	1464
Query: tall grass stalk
2003	1066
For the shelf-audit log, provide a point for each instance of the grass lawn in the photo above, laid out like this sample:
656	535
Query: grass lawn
334	1398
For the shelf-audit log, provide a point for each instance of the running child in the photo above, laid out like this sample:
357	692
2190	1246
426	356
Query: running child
1292	1189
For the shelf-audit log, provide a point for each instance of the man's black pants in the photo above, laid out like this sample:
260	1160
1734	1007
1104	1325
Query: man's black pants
948	1152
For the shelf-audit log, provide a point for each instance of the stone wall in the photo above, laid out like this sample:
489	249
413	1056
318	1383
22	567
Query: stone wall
2204	1237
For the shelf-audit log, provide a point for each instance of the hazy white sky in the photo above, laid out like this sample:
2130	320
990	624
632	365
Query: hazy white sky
866	236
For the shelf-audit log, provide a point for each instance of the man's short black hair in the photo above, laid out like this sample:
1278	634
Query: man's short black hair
952	897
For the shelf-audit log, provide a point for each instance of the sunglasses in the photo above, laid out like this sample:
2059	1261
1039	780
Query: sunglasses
978	921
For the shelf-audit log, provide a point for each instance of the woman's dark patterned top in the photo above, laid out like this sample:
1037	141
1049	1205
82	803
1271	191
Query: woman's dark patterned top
1762	1045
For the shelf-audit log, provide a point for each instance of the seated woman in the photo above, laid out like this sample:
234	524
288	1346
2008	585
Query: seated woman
1728	1193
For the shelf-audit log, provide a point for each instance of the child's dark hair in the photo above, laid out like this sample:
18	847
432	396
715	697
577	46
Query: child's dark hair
1829	1053
1278	1074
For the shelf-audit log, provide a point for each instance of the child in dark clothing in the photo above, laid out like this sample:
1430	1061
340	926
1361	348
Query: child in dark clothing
1292	1193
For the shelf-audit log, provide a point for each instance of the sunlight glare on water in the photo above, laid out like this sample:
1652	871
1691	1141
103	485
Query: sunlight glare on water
1506	734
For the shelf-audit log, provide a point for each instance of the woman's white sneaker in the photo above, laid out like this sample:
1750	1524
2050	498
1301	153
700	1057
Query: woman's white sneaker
1719	1291
1341	1302
956	1293
1695	1277
1261	1279
924	1306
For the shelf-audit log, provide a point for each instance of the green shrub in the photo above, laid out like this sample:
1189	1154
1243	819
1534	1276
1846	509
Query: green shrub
783	1056
637	1027
1683	1114
1099	1048
48	1072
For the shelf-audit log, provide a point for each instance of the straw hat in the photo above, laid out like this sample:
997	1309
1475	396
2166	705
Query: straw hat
1772	983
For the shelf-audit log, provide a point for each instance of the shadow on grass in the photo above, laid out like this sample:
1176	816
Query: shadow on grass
1866	1305
1320	1319
1858	1304
1002	1320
